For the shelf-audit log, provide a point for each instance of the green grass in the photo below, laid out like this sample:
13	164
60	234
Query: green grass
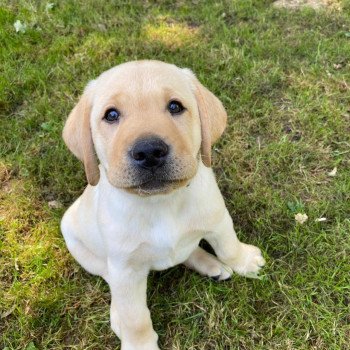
284	78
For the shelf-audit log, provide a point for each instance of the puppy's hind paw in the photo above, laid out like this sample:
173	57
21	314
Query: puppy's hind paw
222	272
208	265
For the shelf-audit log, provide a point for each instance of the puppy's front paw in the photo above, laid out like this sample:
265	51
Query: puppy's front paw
248	261
150	346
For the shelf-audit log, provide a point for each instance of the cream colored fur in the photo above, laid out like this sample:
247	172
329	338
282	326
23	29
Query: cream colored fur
122	234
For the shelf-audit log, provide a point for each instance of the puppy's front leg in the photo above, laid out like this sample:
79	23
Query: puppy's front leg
130	316
245	259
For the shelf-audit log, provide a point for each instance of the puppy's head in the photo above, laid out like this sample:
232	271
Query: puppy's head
148	123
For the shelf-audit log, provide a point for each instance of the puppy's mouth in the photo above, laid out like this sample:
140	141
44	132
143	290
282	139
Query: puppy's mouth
157	186
163	180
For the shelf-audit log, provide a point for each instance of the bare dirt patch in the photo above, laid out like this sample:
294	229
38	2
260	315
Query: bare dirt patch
315	4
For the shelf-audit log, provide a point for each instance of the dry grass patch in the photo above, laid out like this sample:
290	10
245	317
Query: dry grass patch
172	34
315	4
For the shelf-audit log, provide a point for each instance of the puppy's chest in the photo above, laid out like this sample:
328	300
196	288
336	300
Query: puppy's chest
165	249
156	242
157	234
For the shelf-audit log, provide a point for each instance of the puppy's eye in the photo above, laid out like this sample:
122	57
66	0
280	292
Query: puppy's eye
111	115
175	107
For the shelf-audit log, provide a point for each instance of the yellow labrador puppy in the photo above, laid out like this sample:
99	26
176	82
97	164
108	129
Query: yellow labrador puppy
144	132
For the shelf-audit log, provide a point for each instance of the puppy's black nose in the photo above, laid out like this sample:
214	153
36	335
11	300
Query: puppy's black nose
150	153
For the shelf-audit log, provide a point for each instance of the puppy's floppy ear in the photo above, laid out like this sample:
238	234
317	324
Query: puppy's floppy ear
212	115
78	138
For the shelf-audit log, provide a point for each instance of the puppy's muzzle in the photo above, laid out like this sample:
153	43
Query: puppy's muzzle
149	153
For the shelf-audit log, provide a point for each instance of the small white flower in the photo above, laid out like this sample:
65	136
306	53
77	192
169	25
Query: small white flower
50	6
55	204
333	172
20	27
300	218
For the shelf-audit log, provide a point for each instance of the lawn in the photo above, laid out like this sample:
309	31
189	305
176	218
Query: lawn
284	78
